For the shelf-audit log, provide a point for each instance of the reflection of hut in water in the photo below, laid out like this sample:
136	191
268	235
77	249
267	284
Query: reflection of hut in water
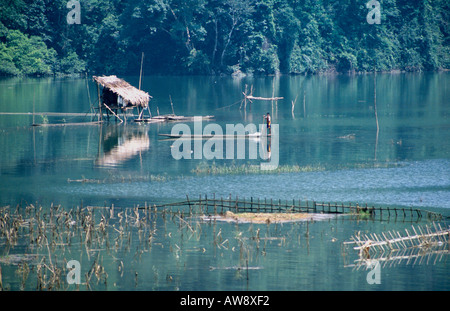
120	147
119	94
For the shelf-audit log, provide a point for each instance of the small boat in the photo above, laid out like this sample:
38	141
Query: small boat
183	118
173	118
150	120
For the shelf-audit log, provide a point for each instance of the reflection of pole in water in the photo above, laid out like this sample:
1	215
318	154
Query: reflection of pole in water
304	103
100	140
293	106
375	108
34	132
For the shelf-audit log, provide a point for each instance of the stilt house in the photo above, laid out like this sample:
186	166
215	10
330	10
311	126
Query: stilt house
119	94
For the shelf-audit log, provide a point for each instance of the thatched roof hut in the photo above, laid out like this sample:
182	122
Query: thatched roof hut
117	93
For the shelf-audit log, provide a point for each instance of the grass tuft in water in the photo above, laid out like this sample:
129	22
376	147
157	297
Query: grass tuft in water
214	169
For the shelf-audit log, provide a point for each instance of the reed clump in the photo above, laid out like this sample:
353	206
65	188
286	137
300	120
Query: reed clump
46	236
214	169
113	178
37	243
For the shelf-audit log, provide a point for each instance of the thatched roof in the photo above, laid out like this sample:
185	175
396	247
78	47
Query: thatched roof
122	88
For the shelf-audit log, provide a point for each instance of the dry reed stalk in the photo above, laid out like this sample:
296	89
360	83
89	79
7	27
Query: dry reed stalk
1	282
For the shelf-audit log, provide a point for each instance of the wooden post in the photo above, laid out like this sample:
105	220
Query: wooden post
121	121
375	109
140	74
245	97
100	112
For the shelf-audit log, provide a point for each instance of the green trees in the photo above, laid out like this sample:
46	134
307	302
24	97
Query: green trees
219	36
27	55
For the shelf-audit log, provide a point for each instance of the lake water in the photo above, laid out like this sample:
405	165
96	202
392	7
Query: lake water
329	150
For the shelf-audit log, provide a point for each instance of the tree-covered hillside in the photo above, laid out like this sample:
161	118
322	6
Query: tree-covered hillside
222	36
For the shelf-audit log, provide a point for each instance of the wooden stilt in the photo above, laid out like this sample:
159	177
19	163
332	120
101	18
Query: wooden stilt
100	112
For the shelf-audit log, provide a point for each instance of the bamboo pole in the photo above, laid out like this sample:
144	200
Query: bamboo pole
397	238
189	204
262	98
375	109
171	104
121	121
140	74
100	112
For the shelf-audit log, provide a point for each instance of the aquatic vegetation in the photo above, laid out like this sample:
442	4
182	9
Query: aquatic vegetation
214	169
122	178
233	168
36	243
116	244
47	234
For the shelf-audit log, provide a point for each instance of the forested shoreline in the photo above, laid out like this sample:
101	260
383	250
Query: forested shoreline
222	36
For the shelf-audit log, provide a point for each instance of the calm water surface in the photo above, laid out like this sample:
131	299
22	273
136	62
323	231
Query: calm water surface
331	135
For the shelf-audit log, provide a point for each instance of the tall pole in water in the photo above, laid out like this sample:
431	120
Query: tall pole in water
140	75
100	113
375	108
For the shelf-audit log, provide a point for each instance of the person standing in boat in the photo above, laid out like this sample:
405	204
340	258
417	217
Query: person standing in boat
268	122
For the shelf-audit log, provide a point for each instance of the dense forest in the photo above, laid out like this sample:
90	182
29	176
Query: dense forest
44	37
